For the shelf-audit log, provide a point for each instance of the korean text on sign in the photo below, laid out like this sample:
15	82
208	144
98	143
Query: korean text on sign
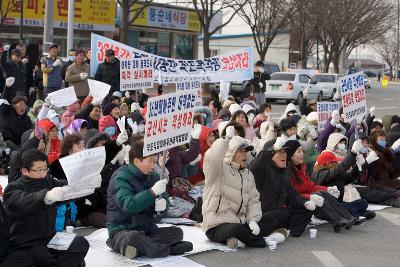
136	74
169	121
324	110
353	97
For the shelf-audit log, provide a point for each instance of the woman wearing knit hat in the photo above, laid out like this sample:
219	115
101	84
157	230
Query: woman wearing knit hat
328	208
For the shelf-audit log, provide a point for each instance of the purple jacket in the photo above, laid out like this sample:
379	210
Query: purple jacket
324	135
179	157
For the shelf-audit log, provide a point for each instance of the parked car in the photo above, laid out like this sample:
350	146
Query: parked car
367	82
289	86
328	83
242	89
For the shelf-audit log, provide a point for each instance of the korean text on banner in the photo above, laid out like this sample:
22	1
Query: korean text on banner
181	86
98	90
169	121
63	97
233	66
324	110
353	97
136	74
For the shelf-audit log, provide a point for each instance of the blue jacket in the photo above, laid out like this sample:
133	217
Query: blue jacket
51	75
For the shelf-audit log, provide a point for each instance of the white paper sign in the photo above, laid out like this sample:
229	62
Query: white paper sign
324	110
353	97
98	90
181	86
224	90
63	97
136	74
82	170
169	121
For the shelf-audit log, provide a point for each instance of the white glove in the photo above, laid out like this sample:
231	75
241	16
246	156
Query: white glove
360	160
159	187
305	92
126	155
197	160
261	84
333	191
230	132
83	75
372	111
133	125
119	157
96	102
372	156
310	205
302	130
25	60
255	229
279	143
54	195
160	204
57	63
336	96
318	200
396	146
10	81
6	48
141	128
122	137
196	131
357	146
312	131
335	118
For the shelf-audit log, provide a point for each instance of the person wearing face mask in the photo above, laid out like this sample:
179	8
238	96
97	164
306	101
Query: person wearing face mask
265	111
281	205
337	167
77	74
241	117
289	112
382	171
258	82
71	59
107	122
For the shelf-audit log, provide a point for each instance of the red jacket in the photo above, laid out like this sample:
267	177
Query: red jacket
108	121
306	187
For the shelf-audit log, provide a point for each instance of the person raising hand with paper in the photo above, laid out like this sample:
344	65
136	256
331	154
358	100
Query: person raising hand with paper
134	195
31	203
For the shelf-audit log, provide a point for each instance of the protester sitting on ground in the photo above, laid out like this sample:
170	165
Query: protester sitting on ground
69	115
78	126
107	122
231	206
123	110
224	112
281	205
10	256
332	169
328	208
241	118
132	201
267	133
289	111
14	121
264	112
34	111
382	172
307	106
307	132
31	203
54	145
90	113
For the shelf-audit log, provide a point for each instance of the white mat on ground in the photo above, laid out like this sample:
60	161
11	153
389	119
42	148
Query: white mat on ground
376	207
100	255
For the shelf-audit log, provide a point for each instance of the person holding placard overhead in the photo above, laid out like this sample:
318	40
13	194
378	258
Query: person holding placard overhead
77	75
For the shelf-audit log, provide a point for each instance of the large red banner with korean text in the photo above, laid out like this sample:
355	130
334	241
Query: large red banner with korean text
169	120
353	97
233	66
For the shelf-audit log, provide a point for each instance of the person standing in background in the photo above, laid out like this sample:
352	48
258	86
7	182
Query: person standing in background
51	69
71	60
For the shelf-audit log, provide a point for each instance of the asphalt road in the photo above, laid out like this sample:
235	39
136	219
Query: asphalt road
386	101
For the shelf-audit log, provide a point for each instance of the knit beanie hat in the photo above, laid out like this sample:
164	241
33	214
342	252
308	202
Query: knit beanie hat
109	108
291	147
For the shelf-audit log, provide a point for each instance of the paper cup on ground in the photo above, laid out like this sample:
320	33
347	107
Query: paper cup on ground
313	233
272	245
69	229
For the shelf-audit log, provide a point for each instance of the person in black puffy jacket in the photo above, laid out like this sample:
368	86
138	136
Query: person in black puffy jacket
108	71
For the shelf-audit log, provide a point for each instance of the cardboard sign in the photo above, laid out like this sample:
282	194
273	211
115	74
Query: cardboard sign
136	74
324	110
353	97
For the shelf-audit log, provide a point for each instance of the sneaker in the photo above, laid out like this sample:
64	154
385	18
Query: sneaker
275	236
130	252
181	248
369	214
283	231
232	242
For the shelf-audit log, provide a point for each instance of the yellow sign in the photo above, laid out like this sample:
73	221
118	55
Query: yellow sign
385	81
167	18
88	14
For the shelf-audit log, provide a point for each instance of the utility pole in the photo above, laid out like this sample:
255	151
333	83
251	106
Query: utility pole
397	42
48	25
70	30
21	24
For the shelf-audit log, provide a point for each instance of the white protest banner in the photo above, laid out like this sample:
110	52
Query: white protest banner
169	120
324	110
63	97
136	74
83	171
353	95
232	66
181	86
98	90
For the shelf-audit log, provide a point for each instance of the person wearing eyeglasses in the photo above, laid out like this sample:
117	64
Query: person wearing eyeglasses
31	204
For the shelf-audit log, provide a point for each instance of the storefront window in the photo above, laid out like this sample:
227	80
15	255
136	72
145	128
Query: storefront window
148	42
163	44
184	46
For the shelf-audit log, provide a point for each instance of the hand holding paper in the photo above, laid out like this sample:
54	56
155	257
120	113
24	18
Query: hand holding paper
98	90
63	97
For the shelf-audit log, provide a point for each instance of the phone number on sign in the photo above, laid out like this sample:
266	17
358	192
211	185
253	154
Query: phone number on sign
167	142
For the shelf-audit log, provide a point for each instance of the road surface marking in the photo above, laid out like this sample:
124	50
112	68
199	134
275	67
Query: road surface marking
387	108
393	218
327	259
387	99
